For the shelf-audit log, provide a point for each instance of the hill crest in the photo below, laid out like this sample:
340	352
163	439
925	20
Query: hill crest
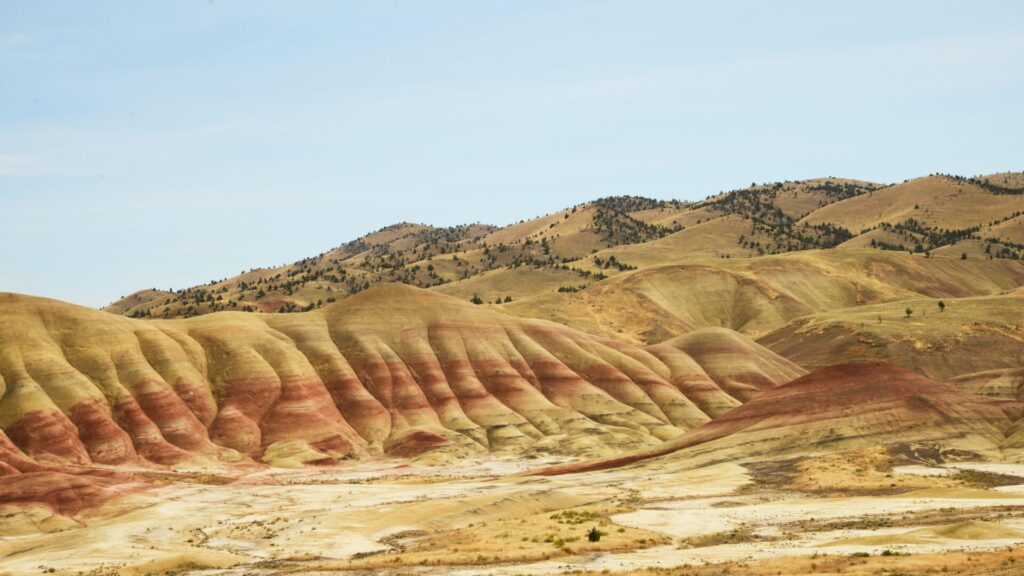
577	247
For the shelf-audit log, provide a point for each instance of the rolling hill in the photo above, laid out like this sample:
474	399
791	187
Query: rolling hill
967	335
780	351
758	295
573	249
393	370
422	256
840	408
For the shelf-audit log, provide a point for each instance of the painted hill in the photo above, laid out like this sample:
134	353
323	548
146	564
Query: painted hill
614	334
393	370
1004	383
843	407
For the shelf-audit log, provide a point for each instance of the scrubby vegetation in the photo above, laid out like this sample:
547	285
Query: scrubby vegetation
572	241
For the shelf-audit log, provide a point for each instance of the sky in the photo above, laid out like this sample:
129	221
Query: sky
164	144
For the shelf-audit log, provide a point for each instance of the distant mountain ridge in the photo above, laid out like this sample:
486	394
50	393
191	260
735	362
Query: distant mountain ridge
570	250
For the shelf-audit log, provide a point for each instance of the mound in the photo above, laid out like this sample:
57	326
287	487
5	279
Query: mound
422	256
394	370
842	407
739	365
66	494
552	256
968	335
758	295
935	201
715	237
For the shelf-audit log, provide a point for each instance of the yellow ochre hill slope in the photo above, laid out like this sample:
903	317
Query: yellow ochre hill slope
758	295
393	370
841	408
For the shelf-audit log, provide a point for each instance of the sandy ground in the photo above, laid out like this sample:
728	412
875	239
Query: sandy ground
480	517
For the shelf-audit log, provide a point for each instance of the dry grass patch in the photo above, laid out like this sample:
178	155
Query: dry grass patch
532	538
921	518
864	472
983	479
735	536
1004	562
861	472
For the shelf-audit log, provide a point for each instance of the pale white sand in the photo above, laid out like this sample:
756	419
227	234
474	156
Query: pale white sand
334	513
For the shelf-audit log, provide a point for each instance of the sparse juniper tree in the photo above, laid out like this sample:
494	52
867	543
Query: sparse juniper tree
476	299
963	255
594	535
908	312
942	306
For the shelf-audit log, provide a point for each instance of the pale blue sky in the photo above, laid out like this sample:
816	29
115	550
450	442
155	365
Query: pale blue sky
167	143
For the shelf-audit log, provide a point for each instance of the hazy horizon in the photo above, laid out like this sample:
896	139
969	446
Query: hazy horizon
167	145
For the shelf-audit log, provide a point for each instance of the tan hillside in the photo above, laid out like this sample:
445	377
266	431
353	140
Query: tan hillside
823	213
1011	231
577	247
736	363
421	256
717	238
1005	181
840	408
1003	238
515	284
136	299
792	200
969	335
941	201
758	295
750	222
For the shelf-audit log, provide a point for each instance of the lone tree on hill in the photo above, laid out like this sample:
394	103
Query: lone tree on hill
909	312
594	535
942	306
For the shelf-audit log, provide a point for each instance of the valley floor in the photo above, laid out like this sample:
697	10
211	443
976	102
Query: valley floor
852	513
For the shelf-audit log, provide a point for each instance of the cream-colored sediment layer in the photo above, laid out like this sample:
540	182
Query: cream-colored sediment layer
323	519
